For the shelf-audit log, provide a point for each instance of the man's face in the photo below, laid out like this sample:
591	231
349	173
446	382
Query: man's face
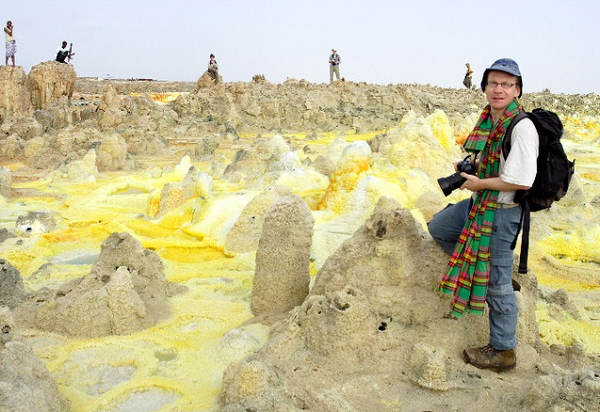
502	88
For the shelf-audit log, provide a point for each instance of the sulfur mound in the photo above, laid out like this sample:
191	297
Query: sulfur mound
126	291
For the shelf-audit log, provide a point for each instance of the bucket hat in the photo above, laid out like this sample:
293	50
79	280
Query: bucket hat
503	65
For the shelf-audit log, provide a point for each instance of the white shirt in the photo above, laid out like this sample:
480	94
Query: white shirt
521	165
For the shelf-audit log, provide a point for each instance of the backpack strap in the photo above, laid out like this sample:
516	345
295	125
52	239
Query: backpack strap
525	221
507	139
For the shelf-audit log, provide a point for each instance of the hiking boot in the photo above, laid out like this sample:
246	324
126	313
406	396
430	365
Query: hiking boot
489	358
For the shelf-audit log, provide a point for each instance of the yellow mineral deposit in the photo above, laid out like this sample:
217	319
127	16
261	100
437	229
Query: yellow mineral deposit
159	97
180	362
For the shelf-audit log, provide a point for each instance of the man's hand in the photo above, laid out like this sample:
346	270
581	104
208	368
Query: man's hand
473	183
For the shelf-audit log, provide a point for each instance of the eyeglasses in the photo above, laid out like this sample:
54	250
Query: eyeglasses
504	85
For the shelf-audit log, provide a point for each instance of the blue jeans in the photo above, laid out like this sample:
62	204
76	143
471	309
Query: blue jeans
446	227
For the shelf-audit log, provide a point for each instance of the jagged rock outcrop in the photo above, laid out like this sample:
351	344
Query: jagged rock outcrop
70	145
22	134
297	105
567	390
80	170
374	329
281	277
301	106
205	81
25	383
206	146
212	115
263	156
116	112
48	82
14	95
12	291
126	291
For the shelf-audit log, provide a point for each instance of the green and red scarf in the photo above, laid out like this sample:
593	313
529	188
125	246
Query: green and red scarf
469	267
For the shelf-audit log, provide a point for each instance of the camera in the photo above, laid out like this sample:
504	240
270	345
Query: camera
454	181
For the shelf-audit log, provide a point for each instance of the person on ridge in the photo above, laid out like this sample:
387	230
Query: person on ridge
11	43
477	232
213	68
334	65
468	76
63	53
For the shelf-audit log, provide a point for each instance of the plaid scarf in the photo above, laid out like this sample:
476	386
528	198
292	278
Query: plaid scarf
469	267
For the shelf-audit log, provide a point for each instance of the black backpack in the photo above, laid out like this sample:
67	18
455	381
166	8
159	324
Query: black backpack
554	172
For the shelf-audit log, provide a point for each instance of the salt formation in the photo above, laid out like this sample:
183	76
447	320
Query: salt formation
34	223
218	114
195	185
245	233
126	291
48	82
259	105
323	165
256	159
25	383
205	81
577	389
14	94
74	145
206	147
12	291
136	119
281	277
374	320
83	170
5	181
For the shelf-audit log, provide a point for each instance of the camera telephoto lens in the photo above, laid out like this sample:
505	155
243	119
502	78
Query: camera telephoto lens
451	183
454	181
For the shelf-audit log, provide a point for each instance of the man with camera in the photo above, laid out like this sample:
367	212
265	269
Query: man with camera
334	65
11	43
62	53
477	232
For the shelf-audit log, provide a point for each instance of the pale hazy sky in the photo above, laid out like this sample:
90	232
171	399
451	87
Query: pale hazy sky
555	42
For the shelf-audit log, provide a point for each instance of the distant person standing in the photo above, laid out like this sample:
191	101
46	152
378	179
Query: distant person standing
63	53
468	76
334	65
11	43
213	68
